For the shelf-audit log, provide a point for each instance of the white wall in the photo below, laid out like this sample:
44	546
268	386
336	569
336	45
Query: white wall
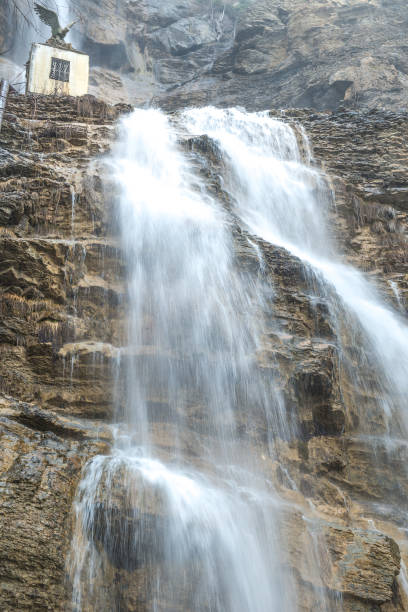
39	72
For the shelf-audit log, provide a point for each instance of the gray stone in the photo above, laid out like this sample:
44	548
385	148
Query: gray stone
185	35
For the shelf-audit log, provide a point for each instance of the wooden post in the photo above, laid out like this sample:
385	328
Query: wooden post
4	87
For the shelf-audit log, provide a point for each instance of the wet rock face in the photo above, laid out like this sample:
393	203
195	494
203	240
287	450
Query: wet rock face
353	553
54	274
63	306
57	262
307	54
41	455
352	483
258	54
150	45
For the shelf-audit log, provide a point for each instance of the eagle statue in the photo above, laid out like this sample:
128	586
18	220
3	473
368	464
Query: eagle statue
50	18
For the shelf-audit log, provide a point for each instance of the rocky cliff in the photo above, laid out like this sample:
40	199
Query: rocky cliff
62	300
254	53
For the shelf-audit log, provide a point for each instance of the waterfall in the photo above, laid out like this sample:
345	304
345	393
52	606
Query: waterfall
185	502
186	513
285	202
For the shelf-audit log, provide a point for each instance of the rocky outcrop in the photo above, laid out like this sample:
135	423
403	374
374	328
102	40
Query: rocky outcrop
307	54
253	53
41	456
257	54
56	259
370	187
63	306
353	555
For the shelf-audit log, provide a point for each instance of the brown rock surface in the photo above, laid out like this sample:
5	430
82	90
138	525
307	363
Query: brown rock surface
354	555
41	456
61	298
55	292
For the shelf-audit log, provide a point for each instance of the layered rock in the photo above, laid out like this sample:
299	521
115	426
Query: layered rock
63	310
41	457
55	300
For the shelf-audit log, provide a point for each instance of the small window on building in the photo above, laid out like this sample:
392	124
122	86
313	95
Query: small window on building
59	69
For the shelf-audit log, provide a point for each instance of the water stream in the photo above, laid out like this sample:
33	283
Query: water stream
285	202
185	490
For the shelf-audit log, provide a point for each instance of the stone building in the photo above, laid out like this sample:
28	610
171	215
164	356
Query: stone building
57	70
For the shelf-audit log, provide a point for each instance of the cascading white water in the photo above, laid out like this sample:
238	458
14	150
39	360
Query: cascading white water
182	515
285	203
184	501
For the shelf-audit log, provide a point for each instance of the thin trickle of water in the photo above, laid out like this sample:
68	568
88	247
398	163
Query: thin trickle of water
73	202
397	295
72	361
403	581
